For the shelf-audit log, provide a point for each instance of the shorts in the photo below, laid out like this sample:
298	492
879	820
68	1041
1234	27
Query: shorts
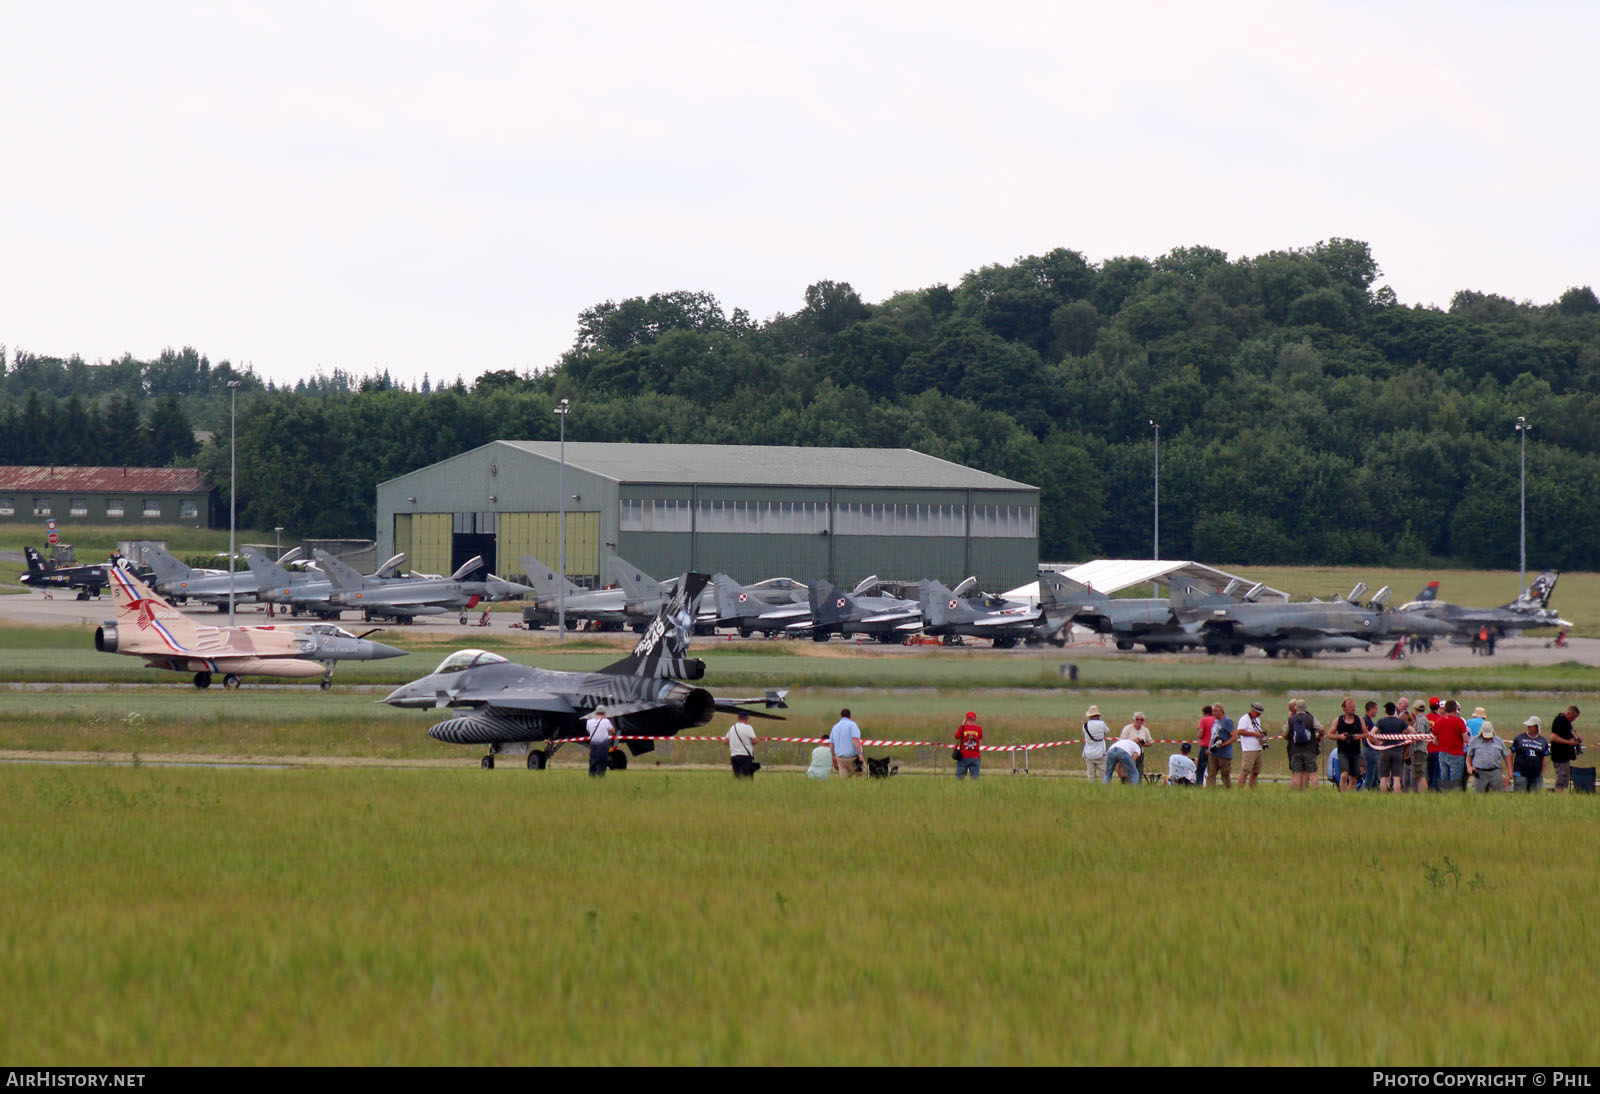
1302	761
1419	767
1391	763
1563	773
1250	764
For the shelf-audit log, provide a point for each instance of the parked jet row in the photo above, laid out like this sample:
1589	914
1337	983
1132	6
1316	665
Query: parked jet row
1231	620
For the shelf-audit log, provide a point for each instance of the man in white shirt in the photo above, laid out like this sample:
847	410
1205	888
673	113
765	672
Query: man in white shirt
1124	754
742	748
1095	732
844	741
1252	740
1181	770
1137	731
602	734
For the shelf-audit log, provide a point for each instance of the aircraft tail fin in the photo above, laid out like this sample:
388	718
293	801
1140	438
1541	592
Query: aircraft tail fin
341	575
1537	594
270	577
936	601
727	592
1058	590
828	604
1184	598
35	561
1429	592
663	648
544	580
144	611
163	565
636	584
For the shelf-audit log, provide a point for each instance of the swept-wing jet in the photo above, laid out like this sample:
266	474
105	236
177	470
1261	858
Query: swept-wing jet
752	609
512	707
884	618
1227	624
950	613
1148	622
149	627
180	582
405	598
1530	609
50	573
607	607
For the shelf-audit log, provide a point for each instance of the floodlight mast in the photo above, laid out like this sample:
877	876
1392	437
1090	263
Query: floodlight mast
233	483
1156	544
1522	428
563	408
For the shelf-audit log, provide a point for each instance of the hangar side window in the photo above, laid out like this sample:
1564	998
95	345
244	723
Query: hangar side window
188	509
41	507
654	515
1005	521
8	507
113	507
152	507
871	519
79	507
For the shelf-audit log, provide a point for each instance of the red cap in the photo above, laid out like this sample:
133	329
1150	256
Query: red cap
971	715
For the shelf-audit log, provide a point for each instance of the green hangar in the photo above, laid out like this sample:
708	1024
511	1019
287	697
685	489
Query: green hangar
750	511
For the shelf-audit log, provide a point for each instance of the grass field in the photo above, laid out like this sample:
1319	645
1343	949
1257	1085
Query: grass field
357	917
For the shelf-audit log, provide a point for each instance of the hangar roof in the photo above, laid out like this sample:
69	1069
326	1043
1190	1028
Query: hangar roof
106	480
767	465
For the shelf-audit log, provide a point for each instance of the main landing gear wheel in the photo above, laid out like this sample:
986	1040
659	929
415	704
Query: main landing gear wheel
202	680
617	760
487	763
462	619
327	682
231	682
537	760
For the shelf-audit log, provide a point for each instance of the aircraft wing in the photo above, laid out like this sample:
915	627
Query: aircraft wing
546	701
892	617
1007	620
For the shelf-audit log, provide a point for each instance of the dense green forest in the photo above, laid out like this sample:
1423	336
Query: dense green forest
1306	415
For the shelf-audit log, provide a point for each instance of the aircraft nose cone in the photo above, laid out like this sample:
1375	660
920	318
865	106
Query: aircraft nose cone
399	696
381	652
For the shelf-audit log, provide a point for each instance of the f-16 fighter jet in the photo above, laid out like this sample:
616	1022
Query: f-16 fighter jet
512	707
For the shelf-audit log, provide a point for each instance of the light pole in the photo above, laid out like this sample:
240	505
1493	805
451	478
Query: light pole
277	541
1522	428
233	482
1157	543
563	408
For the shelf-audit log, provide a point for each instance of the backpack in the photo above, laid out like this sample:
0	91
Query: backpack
1300	731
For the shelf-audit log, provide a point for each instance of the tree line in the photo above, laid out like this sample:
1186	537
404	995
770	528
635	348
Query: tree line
1305	414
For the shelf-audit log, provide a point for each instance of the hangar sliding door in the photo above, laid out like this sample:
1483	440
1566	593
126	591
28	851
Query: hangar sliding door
539	535
430	543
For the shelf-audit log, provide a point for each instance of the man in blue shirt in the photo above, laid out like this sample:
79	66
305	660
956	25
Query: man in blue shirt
844	741
1222	737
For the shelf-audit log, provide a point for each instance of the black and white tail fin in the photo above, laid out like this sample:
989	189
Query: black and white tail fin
1430	592
663	648
1537	594
35	561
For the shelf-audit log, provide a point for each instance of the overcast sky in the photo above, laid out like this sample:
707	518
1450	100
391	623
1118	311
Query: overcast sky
442	188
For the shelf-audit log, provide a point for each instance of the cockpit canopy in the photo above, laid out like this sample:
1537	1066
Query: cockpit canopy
467	659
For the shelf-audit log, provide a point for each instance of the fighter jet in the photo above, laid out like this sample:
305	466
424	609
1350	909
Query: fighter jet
950	614
56	573
1530	609
405	598
884	618
751	609
513	707
1228	624
307	590
1130	622
149	627
180	582
607	607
